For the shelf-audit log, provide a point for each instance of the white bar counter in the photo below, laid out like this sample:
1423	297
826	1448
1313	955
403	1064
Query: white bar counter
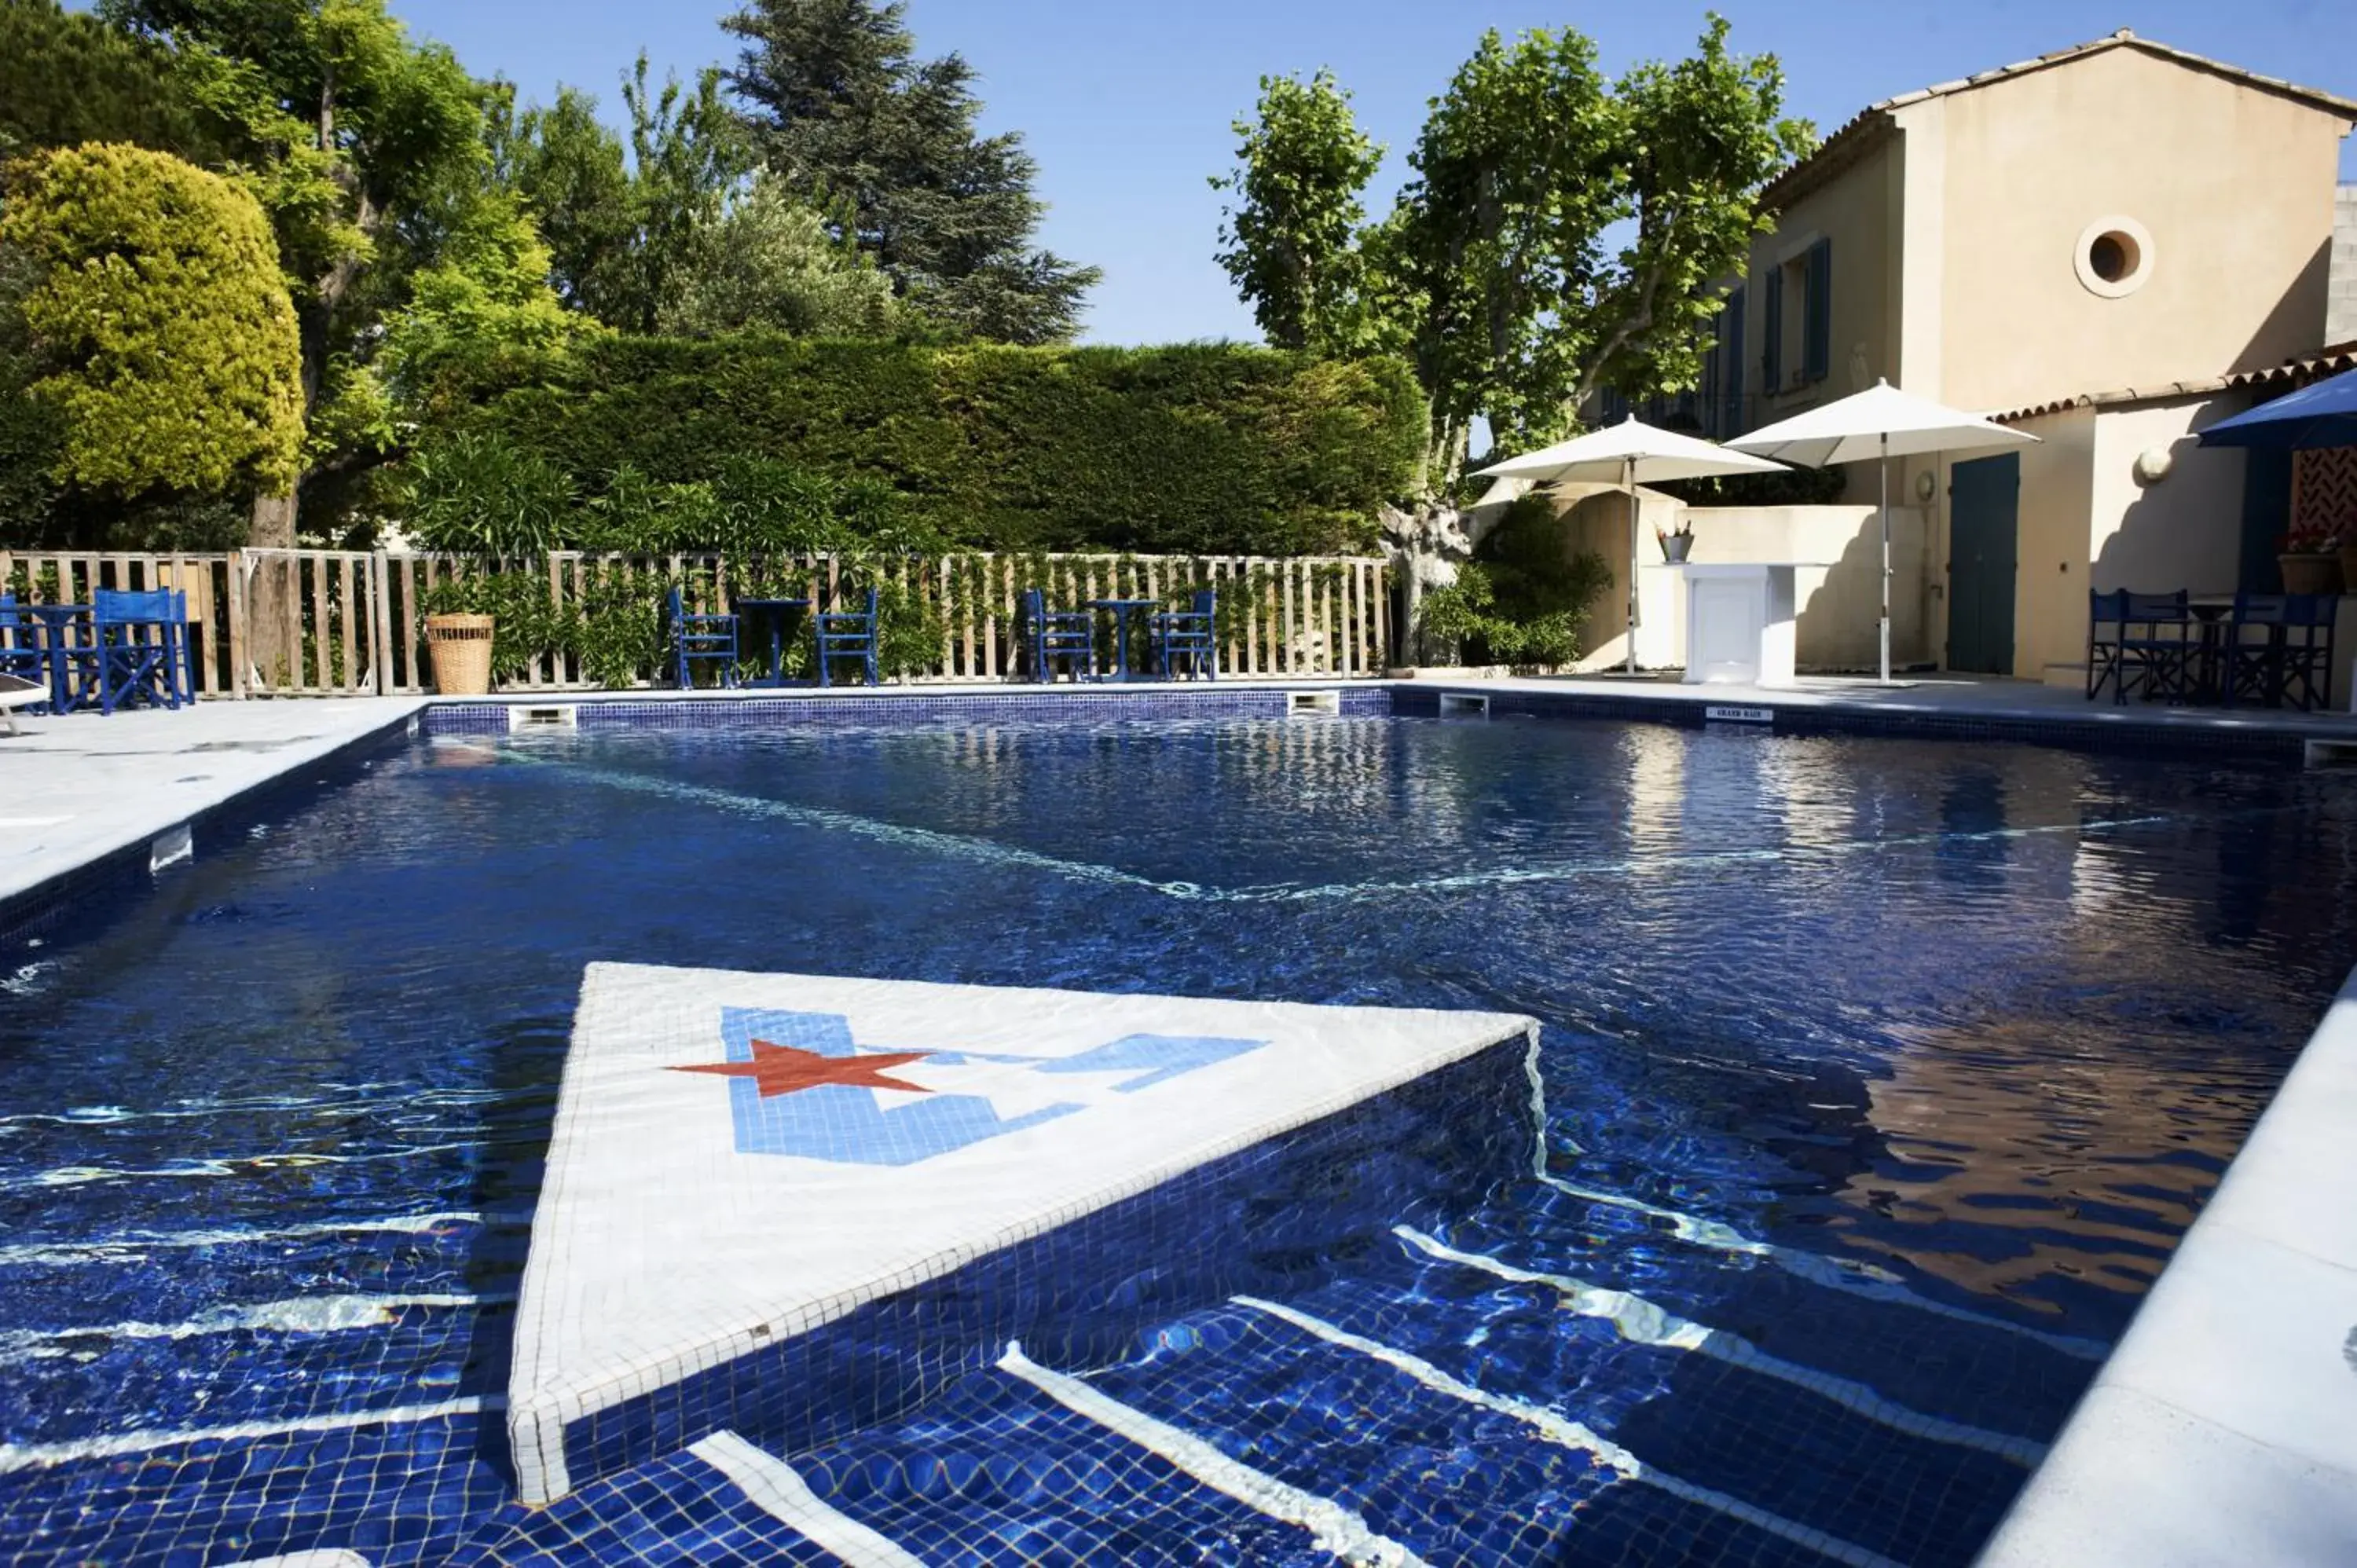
1740	622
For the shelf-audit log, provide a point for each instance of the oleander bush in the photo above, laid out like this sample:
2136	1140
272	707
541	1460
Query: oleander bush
1524	597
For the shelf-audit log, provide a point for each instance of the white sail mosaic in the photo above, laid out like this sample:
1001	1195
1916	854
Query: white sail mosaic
741	1158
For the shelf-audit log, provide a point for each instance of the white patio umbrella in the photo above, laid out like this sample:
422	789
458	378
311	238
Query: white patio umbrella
1630	454
1878	424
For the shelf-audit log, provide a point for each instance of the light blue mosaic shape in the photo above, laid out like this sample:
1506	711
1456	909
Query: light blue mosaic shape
837	1121
1159	1058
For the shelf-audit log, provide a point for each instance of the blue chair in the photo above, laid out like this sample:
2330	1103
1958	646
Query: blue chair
2107	628
21	660
1053	635
700	638
142	648
2145	645
20	643
2290	664
847	634
1188	638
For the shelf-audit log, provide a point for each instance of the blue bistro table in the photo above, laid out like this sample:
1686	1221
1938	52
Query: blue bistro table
776	610
1122	610
69	637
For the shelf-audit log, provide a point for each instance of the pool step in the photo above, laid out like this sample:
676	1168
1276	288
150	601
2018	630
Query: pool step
681	1509
997	1470
1816	1457
1270	1432
1000	1469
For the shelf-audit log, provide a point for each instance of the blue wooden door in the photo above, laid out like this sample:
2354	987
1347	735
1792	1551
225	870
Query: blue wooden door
1982	541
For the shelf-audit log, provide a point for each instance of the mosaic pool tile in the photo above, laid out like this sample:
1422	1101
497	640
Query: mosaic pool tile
395	1493
676	1509
880	1134
996	1471
1088	705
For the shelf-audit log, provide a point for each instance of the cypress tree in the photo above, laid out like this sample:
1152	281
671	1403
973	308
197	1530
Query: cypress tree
838	103
66	78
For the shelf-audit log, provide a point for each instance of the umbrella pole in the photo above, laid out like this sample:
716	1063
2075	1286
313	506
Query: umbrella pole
1884	470
1628	468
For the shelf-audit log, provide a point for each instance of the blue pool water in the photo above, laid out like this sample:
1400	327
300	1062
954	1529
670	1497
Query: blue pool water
1881	1078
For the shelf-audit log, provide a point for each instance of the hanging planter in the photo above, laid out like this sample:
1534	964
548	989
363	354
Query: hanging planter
460	647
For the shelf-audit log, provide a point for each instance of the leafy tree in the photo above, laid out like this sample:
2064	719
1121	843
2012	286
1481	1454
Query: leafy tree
1560	236
480	315
624	226
771	262
346	130
1292	244
574	174
159	317
66	78
838	104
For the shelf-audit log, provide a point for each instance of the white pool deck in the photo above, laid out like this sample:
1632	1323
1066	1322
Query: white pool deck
2222	1431
78	787
1945	696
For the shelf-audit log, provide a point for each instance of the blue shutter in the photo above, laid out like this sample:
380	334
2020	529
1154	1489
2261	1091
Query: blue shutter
1771	332
1730	361
1817	362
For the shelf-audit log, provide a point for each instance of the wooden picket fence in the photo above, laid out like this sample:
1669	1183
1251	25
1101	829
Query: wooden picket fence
347	622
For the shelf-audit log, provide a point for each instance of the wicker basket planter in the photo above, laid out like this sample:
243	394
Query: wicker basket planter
460	646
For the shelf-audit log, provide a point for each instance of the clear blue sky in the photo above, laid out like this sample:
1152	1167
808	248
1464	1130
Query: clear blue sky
1127	105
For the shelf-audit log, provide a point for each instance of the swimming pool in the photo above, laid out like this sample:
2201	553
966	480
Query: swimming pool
1880	1077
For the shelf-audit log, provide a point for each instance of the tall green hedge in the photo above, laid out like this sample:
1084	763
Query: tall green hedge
1207	448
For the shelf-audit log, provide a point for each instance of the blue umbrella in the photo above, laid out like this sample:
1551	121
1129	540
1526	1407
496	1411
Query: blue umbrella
2324	414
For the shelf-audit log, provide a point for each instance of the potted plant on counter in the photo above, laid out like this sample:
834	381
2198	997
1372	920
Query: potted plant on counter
2309	558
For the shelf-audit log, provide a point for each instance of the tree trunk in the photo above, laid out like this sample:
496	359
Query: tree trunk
273	609
1425	546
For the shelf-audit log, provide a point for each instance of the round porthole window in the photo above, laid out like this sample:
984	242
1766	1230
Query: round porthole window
2113	257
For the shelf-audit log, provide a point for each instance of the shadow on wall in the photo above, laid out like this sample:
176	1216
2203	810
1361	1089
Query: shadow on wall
2185	530
2297	319
2167	511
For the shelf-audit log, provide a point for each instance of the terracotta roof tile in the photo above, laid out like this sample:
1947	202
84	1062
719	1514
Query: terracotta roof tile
2326	361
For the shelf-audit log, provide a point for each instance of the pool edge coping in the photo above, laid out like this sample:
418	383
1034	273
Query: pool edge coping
134	848
2220	1430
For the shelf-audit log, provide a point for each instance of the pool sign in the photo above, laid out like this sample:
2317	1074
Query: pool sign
1718	715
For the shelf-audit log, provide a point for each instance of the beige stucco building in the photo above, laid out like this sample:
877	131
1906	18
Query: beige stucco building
2113	246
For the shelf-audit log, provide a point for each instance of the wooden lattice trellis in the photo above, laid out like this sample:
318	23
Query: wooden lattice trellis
2324	491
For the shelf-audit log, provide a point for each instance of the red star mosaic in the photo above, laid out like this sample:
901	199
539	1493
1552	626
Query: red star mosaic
782	1069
